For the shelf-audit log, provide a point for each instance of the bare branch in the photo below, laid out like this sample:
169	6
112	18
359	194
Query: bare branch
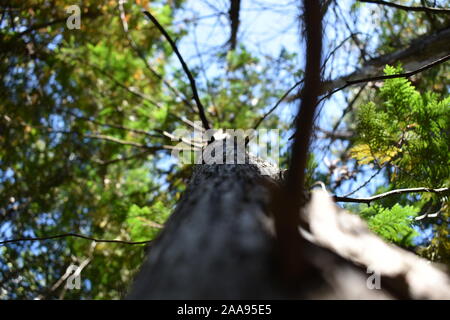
47	24
335	135
70	234
311	91
68	272
117	126
200	107
277	104
365	183
122	159
233	15
408	8
385	77
421	51
390	193
136	92
290	199
111	139
348	108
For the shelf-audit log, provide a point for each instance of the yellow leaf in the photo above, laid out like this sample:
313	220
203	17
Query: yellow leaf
365	155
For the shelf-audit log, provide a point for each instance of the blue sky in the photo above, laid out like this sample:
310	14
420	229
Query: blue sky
267	32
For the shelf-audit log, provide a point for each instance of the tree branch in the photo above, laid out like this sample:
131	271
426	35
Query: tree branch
423	50
124	159
385	77
112	139
70	234
277	104
233	15
116	126
390	193
288	201
365	183
408	8
200	107
138	93
44	25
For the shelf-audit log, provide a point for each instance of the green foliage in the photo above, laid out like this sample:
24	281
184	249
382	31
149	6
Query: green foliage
393	224
408	133
144	223
68	111
81	146
402	130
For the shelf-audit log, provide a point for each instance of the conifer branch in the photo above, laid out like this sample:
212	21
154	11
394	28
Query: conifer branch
384	77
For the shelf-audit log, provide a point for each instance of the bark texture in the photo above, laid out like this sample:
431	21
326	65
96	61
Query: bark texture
217	243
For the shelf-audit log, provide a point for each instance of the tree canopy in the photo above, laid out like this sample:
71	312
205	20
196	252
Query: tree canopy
88	116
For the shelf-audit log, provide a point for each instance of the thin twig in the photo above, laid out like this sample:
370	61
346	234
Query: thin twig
200	107
116	126
47	24
111	139
100	137
69	272
137	93
208	87
390	193
365	183
277	104
70	234
408	8
120	159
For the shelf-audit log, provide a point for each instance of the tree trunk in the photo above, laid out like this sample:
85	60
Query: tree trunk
219	244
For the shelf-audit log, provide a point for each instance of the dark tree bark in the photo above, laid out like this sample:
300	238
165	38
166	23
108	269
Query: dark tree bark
233	15
218	243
